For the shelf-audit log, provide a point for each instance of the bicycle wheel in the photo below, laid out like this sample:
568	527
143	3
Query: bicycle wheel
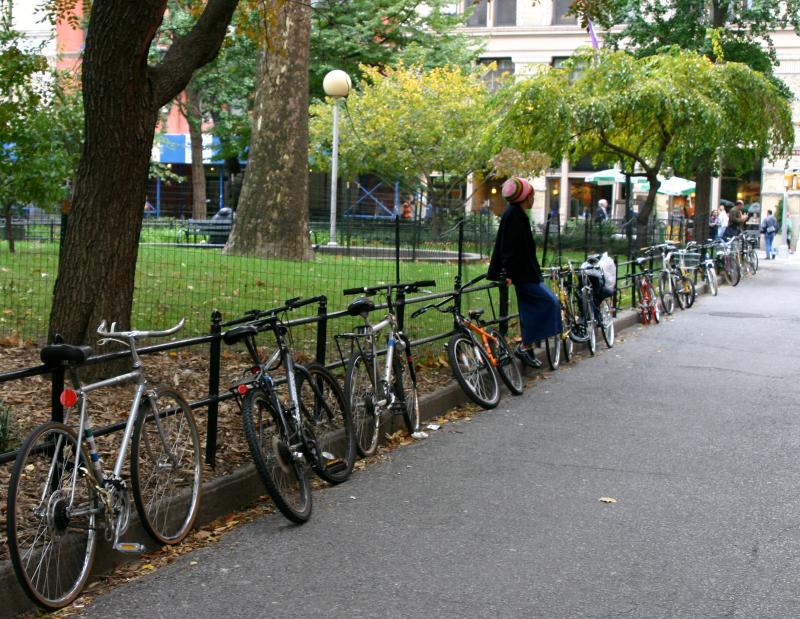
568	347
324	410
473	371
166	466
711	279
507	364
360	394
552	346
607	323
592	341
685	292
732	271
655	312
644	302
666	292
753	260
405	392
52	543
270	443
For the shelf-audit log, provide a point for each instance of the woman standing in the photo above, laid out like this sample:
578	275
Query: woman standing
514	260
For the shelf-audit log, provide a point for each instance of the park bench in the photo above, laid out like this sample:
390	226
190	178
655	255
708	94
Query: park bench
216	232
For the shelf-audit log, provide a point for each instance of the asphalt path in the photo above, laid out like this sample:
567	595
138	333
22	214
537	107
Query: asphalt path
691	426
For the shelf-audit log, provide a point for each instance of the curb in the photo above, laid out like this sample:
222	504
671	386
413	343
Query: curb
223	495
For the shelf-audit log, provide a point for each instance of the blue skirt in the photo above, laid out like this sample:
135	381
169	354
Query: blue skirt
539	312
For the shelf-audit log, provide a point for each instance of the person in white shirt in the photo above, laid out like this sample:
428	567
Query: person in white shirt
722	218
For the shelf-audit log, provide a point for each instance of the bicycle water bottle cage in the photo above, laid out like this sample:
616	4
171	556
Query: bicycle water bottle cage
475	313
56	354
360	306
237	334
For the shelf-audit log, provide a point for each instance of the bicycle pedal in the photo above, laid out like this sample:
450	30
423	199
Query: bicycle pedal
129	547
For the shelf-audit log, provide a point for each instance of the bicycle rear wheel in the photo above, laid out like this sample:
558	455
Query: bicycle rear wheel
655	312
273	453
569	347
324	411
52	542
711	279
405	393
360	395
473	371
753	260
685	292
666	292
507	364
166	466
733	273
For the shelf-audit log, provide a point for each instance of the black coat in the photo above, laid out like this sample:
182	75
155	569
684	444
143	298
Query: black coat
514	254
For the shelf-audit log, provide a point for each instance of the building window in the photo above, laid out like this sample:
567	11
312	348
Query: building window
560	8
503	66
479	10
505	12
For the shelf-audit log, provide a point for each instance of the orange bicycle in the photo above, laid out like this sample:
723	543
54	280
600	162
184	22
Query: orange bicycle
477	352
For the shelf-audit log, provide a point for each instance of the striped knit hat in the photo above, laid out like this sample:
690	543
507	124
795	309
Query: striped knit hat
516	189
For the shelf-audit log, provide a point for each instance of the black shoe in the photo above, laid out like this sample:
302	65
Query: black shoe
527	357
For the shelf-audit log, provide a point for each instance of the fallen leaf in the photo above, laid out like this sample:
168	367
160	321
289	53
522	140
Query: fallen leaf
607	499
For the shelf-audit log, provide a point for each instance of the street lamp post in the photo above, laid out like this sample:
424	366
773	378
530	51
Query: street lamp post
336	84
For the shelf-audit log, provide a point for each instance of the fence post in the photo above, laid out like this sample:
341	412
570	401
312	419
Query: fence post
546	237
400	309
615	298
503	309
396	248
213	387
322	330
459	276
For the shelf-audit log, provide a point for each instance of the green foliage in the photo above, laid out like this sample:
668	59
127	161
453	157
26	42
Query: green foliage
350	34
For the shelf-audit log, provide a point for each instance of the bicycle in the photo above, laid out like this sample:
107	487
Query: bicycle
553	345
369	389
726	262
583	328
648	300
666	281
706	264
477	353
748	257
60	496
682	284
311	429
599	300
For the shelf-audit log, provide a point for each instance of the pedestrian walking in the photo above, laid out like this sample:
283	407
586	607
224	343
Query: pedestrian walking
768	228
601	214
514	260
713	224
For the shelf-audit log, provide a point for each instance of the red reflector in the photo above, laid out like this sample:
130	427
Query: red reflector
255	369
242	389
68	398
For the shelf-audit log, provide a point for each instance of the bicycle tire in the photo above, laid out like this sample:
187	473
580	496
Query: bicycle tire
711	280
607	326
687	292
405	392
666	292
324	410
167	508
591	343
360	395
655	312
283	476
552	346
54	536
473	371
569	347
507	365
579	331
644	303
733	273
754	260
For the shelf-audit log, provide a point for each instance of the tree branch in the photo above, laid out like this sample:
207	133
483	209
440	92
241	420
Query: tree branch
191	51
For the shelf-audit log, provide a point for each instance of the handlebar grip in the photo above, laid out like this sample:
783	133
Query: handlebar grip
425	283
360	290
298	302
474	280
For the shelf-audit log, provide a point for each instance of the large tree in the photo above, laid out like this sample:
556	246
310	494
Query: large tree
122	95
647	113
723	30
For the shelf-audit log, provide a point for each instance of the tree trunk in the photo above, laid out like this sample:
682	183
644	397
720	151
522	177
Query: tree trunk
9	229
702	204
122	96
643	218
194	118
272	215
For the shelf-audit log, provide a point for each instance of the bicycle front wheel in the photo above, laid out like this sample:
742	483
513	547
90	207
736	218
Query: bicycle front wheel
655	312
51	532
360	394
405	393
270	443
507	364
685	292
666	292
552	346
473	371
754	260
166	466
607	323
732	272
324	411
711	279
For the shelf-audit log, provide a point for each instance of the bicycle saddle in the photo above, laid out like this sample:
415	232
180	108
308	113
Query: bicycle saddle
475	313
237	334
359	306
56	354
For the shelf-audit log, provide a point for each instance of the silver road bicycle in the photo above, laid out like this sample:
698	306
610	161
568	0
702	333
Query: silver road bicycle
60	498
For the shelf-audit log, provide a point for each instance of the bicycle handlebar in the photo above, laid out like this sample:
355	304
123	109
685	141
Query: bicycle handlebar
407	287
106	331
473	281
298	302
